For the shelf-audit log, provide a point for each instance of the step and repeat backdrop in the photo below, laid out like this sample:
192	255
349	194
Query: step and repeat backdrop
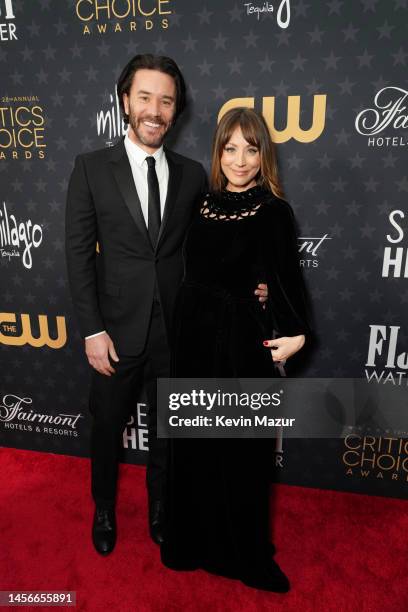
331	81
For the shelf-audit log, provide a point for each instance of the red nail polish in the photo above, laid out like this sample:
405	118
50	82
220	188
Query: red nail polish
265	343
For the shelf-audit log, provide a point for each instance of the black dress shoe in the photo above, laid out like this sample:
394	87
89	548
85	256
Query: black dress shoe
268	578
104	530
156	521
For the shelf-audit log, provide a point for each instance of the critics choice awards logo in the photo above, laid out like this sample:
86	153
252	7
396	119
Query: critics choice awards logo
102	16
376	457
388	112
18	238
21	128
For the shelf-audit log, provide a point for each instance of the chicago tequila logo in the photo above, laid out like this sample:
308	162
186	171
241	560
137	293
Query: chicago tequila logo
101	16
395	260
18	335
18	236
388	112
7	28
292	129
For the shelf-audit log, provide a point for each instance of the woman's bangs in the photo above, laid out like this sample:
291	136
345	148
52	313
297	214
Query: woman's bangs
250	131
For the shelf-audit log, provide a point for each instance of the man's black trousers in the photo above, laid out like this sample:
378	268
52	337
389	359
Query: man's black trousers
113	398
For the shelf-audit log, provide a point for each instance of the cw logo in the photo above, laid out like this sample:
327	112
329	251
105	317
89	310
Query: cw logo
292	129
8	325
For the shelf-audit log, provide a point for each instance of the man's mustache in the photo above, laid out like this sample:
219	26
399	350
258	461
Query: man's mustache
152	119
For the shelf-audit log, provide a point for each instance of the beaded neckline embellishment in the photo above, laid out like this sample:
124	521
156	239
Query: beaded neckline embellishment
233	205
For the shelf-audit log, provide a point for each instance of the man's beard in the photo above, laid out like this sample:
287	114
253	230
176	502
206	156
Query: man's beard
149	141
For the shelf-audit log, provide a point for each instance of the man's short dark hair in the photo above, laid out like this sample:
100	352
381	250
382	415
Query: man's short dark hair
151	62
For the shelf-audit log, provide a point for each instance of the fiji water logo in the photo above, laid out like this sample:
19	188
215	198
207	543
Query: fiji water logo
386	363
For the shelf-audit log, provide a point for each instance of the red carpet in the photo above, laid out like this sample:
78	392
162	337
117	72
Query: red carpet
342	552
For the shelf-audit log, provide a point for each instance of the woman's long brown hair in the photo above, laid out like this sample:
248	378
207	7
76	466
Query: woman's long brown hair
256	133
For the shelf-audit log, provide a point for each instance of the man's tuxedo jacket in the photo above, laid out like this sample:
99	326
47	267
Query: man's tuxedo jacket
113	288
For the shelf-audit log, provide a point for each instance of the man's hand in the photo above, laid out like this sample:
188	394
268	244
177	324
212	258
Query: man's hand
97	350
284	347
262	293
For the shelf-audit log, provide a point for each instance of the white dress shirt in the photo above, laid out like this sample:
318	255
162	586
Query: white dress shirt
137	159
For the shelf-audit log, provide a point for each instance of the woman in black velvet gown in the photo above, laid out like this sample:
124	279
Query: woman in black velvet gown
216	510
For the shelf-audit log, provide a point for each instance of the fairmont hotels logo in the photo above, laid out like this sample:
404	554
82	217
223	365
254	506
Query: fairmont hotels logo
389	112
17	413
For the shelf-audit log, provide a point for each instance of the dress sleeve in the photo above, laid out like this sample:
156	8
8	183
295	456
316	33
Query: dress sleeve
287	306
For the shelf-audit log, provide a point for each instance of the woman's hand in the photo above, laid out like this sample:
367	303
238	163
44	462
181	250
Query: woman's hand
285	347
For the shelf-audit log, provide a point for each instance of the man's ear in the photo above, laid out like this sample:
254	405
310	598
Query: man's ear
125	99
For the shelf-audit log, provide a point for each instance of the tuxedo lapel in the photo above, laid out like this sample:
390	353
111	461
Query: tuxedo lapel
175	175
126	185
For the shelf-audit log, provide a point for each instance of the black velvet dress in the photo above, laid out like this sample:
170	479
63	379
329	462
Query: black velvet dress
216	507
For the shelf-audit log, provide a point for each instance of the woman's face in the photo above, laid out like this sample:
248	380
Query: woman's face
240	162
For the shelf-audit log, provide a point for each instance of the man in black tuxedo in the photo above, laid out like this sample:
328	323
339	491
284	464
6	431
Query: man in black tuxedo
135	200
